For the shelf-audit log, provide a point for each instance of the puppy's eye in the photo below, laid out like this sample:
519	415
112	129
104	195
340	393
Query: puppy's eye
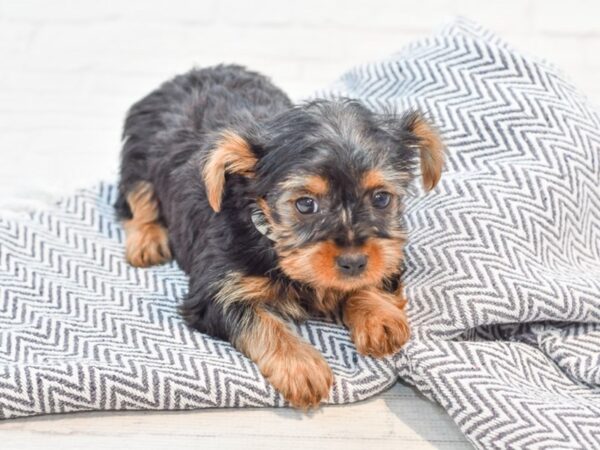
307	205
381	199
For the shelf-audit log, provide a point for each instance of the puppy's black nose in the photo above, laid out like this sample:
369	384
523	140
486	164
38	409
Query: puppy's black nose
352	265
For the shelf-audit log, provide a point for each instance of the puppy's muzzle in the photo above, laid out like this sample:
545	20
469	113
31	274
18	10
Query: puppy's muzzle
352	265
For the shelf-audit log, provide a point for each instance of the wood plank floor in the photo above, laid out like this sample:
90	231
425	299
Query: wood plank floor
397	419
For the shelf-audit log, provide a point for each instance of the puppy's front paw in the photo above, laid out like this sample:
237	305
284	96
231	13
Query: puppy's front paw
381	335
302	376
378	327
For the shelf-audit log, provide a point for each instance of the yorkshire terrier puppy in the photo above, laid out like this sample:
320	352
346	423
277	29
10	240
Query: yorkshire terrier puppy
277	213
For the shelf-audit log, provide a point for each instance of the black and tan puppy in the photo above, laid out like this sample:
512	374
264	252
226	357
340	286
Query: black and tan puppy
277	213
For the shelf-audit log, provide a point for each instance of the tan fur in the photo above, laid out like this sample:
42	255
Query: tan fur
292	366
282	233
399	296
302	185
257	290
147	241
316	264
431	152
327	301
316	185
232	154
374	179
264	206
377	322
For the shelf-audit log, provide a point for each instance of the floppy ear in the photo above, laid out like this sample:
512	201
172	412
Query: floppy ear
430	145
231	154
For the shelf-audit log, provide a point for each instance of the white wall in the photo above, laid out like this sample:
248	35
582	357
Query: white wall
69	69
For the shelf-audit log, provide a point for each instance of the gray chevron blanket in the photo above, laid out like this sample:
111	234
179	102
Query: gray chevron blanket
503	259
503	272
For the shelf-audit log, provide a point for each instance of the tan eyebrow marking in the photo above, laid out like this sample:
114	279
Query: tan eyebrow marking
312	184
373	179
316	185
389	180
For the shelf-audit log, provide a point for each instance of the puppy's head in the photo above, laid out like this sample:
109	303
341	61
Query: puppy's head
330	178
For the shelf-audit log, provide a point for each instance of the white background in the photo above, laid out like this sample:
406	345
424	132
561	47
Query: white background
70	69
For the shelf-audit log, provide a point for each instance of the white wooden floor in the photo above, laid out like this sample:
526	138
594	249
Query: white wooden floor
398	419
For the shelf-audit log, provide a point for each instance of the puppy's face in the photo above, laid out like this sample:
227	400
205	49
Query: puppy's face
336	228
330	178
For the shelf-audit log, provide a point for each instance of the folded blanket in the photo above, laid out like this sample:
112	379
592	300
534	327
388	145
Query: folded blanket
502	272
503	260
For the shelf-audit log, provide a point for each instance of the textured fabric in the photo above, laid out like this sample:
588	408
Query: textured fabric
503	258
502	272
80	329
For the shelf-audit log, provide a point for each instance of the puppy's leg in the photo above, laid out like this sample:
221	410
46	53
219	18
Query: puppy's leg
241	309
377	321
147	241
294	367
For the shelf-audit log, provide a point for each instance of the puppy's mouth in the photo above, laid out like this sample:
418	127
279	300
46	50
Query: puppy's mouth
325	265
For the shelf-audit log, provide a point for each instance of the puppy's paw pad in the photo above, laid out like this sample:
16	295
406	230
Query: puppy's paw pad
381	334
303	377
147	245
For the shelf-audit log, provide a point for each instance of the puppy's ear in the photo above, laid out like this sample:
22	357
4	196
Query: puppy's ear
430	145
231	154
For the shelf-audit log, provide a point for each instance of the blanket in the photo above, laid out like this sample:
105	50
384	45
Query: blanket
502	272
503	259
80	329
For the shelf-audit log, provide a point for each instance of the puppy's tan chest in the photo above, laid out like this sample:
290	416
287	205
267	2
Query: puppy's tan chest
288	299
311	302
327	302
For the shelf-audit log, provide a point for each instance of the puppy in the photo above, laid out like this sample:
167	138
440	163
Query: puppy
277	213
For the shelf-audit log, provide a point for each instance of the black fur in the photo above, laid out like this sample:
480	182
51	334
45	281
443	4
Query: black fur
169	134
